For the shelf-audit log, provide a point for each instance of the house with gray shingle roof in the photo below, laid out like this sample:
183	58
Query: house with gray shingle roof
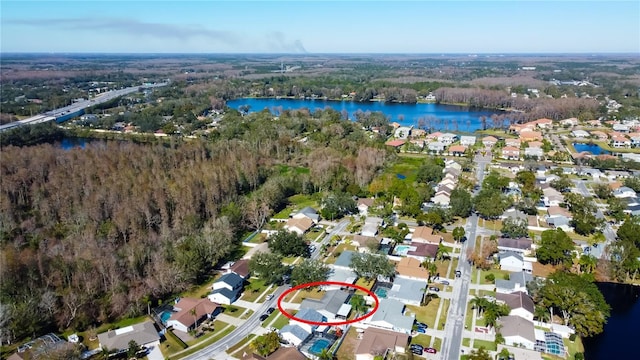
332	305
390	315
518	330
294	334
144	334
407	291
344	260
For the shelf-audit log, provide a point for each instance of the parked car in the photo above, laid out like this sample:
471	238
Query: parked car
444	282
458	273
269	297
270	310
417	350
433	288
416	346
421	330
421	324
264	317
430	350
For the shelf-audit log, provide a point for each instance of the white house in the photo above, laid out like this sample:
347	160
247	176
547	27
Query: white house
436	146
581	134
518	331
569	122
624	192
307	212
402	132
517	282
537	152
467	140
520	303
447	138
364	204
511	261
144	334
390	316
190	312
441	199
226	289
308	315
294	334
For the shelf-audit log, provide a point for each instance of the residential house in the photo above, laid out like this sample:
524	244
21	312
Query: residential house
620	141
514	214
442	199
514	262
624	192
434	136
287	353
452	170
407	291
457	150
511	153
424	234
241	268
543	123
534	152
535	144
402	132
377	342
364	204
144	334
520	245
422	251
299	225
558	217
395	143
340	275
530	136
416	133
600	135
489	141
307	212
365	243
635	140
617	174
306	315
552	197
344	260
512	142
447	138
594	173
390	316
294	334
452	164
517	282
417	142
436	146
580	134
467	140
411	268
449	181
594	123
569	122
520	303
190	312
226	289
370	227
517	331
621	127
333	304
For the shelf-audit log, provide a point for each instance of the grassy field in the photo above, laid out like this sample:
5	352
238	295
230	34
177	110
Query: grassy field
242	344
300	295
499	274
489	345
466	342
443	314
407	166
253	290
437	344
421	339
348	348
232	310
426	314
574	347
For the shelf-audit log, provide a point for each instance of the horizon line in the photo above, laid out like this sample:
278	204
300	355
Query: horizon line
592	53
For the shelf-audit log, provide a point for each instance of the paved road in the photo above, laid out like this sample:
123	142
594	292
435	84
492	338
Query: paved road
454	326
80	105
217	349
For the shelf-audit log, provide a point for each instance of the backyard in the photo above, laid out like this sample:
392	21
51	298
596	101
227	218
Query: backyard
426	314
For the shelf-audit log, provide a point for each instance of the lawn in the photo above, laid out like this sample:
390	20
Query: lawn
487	293
421	339
280	322
437	344
499	274
312	235
255	288
284	213
426	314
232	310
489	345
202	342
300	295
300	201
244	342
367	284
468	319
443	267
454	266
466	342
443	314
574	347
348	347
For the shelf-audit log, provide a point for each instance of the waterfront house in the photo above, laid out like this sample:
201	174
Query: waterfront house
467	140
580	134
517	331
489	141
457	150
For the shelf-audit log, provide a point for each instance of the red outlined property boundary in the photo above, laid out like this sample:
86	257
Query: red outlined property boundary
321	283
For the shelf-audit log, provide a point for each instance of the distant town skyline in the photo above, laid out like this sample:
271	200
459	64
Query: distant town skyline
320	26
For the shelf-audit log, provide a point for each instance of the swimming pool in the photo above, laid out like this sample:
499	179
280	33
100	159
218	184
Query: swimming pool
402	249
381	292
165	315
320	344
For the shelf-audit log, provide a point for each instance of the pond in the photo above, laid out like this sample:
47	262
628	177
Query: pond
592	148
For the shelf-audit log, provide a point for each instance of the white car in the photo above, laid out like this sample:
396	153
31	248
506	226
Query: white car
269	297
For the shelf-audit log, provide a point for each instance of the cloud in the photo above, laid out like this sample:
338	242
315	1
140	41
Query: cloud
134	27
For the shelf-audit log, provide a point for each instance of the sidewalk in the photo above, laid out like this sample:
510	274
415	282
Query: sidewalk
247	304
230	319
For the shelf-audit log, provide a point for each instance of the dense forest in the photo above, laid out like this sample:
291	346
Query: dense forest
89	235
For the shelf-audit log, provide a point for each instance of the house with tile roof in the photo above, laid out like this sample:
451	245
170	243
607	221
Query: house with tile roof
190	312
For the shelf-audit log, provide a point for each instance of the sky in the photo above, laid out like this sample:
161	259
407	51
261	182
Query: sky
302	26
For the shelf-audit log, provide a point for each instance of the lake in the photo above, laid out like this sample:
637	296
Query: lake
592	148
444	117
621	334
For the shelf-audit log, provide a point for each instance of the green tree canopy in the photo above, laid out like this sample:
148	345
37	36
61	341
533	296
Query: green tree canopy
268	266
288	243
337	205
460	203
555	247
266	344
514	228
370	266
308	271
495	181
458	233
490	203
